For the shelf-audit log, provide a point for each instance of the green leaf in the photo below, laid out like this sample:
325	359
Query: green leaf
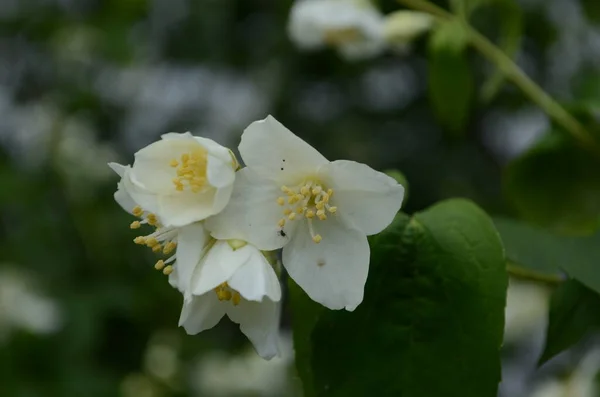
545	253
432	319
556	184
450	79
510	18
573	314
305	313
591	8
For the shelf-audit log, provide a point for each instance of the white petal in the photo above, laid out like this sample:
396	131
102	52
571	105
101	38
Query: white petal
252	213
259	321
219	173
221	199
176	135
214	149
256	278
151	169
118	168
365	198
217	266
183	208
274	151
201	313
334	271
191	241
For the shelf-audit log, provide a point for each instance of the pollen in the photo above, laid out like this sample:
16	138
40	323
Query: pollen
159	265
225	293
190	170
137	211
309	200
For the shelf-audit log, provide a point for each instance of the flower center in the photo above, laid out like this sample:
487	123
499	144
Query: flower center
162	241
341	36
308	200
226	293
191	170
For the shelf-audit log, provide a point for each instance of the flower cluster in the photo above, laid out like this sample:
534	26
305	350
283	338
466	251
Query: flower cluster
217	225
356	28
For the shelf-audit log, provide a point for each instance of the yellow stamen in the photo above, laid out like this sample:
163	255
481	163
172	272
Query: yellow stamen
159	265
281	222
137	211
168	270
157	248
174	163
292	216
140	240
309	214
135	225
151	242
317	238
169	248
280	201
332	209
236	298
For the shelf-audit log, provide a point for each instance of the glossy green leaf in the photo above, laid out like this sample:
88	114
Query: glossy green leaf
574	313
450	78
432	320
556	184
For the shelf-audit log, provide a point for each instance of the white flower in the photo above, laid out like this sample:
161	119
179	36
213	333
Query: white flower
181	178
182	246
402	27
234	278
216	277
354	27
320	212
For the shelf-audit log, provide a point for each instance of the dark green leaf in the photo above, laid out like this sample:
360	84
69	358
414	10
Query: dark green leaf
545	253
432	319
450	80
510	18
574	313
591	9
556	184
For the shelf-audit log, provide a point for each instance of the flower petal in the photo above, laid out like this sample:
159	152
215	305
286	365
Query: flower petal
365	198
201	313
122	197
191	242
184	207
217	266
275	152
252	213
334	271
259	321
256	278
151	169
219	173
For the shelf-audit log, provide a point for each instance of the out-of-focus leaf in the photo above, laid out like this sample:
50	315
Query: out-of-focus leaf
443	266
556	184
450	79
591	8
543	252
510	18
574	313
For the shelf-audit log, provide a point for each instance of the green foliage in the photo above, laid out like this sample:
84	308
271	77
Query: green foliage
510	20
546	253
450	78
432	320
573	314
591	9
556	184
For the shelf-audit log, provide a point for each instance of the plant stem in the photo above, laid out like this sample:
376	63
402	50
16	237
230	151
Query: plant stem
531	275
512	72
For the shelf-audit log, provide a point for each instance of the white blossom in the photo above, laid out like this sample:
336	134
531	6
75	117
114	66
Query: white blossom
181	178
234	278
400	28
354	27
320	212
182	246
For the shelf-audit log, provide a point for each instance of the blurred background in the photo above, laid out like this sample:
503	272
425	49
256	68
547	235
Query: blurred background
86	82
